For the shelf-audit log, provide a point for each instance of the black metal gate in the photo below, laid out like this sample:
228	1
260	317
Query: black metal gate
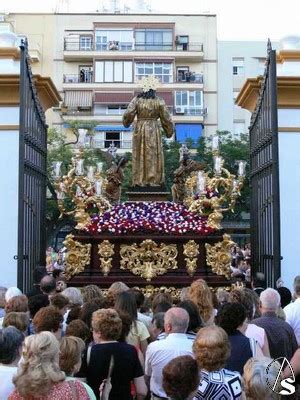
264	177
32	176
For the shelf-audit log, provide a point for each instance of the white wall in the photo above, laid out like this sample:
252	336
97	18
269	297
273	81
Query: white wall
9	167
289	172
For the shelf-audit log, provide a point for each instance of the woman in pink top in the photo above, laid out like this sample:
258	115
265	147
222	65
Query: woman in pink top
39	376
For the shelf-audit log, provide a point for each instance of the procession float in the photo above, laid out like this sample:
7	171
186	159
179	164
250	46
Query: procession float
148	241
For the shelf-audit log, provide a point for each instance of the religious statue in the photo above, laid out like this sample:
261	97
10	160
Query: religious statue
112	150
183	150
114	177
186	167
147	150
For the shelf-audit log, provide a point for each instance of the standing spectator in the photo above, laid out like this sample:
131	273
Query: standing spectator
79	329
17	304
48	319
114	289
195	321
35	303
138	334
292	311
11	340
258	282
39	375
48	285
201	295
281	337
157	328
70	352
160	352
12	292
91	293
140	298
231	317
38	273
181	378
2	301
107	327
257	373
60	302
19	320
285	296
212	349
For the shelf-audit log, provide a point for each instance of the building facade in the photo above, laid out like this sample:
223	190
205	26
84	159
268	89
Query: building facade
97	60
237	61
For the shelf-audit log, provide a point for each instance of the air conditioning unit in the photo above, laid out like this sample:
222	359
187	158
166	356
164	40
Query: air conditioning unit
179	110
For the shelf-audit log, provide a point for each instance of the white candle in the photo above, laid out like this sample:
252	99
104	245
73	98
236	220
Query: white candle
90	173
78	191
81	136
215	142
60	192
235	185
99	167
98	188
218	164
79	167
201	182
241	170
56	168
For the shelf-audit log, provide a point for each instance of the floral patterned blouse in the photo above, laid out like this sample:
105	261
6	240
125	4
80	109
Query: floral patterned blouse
59	391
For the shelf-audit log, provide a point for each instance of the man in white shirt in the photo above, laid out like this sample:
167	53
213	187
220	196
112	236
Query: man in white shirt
160	352
292	310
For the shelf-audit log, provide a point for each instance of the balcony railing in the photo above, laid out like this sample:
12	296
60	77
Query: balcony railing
104	144
71	44
84	77
177	110
190	77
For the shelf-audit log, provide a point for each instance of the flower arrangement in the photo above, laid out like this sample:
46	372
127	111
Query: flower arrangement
144	217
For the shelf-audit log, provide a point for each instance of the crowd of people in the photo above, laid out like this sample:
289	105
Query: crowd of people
59	342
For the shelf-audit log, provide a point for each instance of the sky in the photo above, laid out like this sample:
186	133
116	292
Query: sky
236	19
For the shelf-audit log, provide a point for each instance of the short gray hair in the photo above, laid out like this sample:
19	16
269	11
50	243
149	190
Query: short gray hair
297	285
12	292
73	295
11	340
178	318
270	299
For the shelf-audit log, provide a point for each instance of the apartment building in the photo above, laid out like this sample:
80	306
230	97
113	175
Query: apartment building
97	60
237	61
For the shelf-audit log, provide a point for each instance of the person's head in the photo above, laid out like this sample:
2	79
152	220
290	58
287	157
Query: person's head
2	296
79	329
139	297
195	320
126	325
106	325
114	289
11	340
181	378
230	317
74	296
58	274
60	302
60	285
87	310
39	368
38	273
244	296
257	373
211	348
157	325
258	280
297	286
90	293
201	295
48	319
35	303
125	301
176	320
269	300
184	294
17	304
48	285
285	296
19	320
70	354
12	292
163	306
161	302
222	296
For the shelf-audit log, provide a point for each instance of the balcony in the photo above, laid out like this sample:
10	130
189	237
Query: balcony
75	49
86	77
104	144
189	77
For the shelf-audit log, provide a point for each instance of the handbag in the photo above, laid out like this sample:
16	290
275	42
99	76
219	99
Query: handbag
104	393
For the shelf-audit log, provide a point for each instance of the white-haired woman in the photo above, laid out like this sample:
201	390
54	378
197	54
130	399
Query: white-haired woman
259	375
39	375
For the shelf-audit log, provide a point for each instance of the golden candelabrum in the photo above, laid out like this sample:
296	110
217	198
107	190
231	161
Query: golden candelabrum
84	192
214	194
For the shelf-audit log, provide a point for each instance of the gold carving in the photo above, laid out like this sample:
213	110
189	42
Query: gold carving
77	257
191	251
106	251
218	256
148	259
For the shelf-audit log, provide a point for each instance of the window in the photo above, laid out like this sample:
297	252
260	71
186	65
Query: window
238	66
85	43
112	137
113	71
116	109
154	39
114	39
182	43
189	102
85	73
162	71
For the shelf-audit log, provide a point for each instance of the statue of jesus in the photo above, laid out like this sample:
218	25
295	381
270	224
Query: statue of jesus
147	150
